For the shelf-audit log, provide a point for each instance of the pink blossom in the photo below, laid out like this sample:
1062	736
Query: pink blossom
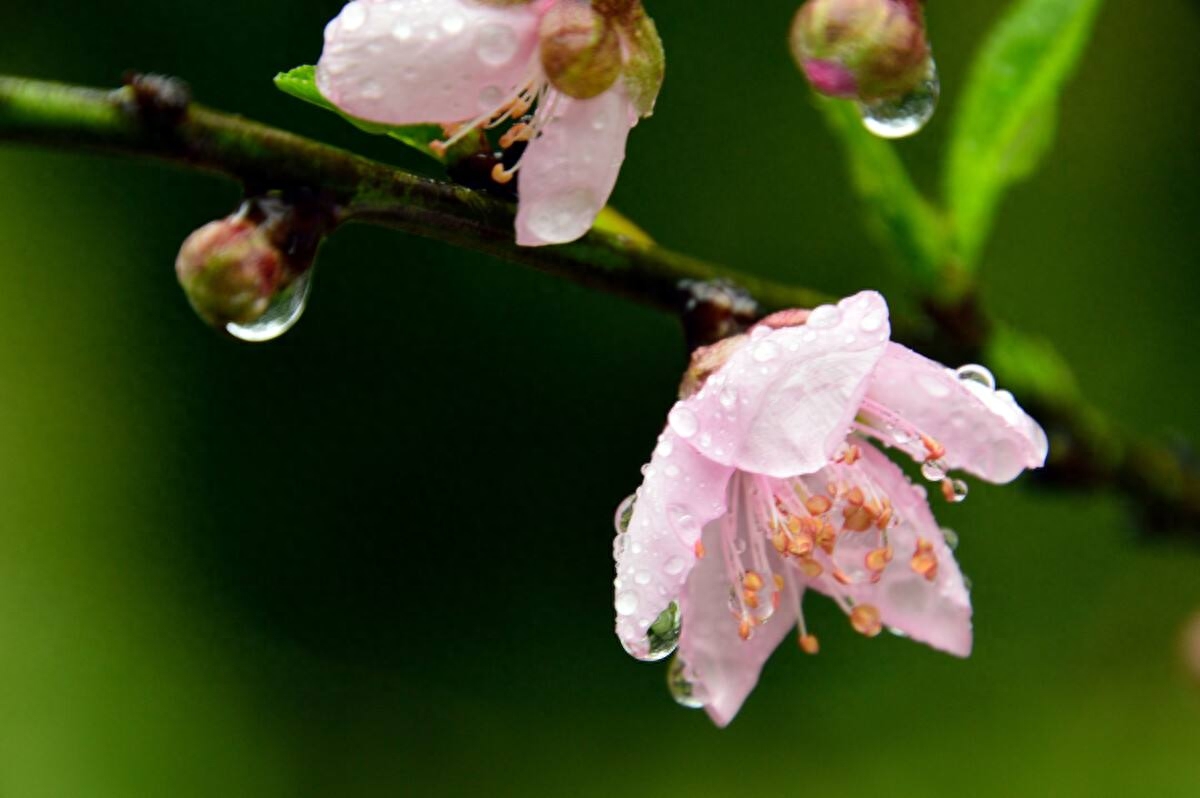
465	65
768	481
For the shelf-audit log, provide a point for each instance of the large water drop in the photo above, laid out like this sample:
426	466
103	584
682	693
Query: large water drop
897	117
624	514
663	635
684	692
285	310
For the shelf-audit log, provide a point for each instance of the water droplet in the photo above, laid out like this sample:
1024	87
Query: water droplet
663	635
933	470
353	17
371	90
684	692
665	449
496	44
453	24
897	117
951	538
285	310
672	471
935	386
759	332
683	421
563	216
957	491
824	317
627	603
642	578
765	351
872	322
624	514
683	524
402	32
490	97
976	373
674	566
901	437
897	632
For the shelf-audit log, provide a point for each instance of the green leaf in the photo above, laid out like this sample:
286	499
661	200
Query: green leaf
1007	118
301	83
902	216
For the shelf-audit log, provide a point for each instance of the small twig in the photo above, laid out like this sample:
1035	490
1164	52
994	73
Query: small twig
156	119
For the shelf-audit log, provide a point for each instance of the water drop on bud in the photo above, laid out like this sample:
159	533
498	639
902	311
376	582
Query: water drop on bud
871	51
580	50
249	274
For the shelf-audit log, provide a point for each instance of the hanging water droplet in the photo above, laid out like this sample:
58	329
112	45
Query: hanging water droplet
285	310
627	603
897	117
957	491
663	635
933	470
896	632
685	526
951	538
976	373
684	692
683	421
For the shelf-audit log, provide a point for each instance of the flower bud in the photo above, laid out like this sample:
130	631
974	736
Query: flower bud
864	50
580	50
230	270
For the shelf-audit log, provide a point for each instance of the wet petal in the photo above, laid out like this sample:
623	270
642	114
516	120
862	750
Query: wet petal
936	612
984	431
403	62
783	403
682	491
722	667
569	171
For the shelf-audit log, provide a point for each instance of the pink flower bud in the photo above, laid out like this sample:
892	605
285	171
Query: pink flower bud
230	270
580	50
865	50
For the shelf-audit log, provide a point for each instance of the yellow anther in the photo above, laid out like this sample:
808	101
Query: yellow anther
779	581
699	549
438	148
818	505
501	175
885	515
780	542
793	524
752	581
851	455
811	568
857	519
750	599
841	577
924	561
856	497
518	132
744	628
800	546
878	559
936	450
826	538
865	620
809	644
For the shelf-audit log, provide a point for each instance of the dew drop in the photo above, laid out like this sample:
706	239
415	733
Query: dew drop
933	470
663	635
951	538
490	97
563	216
684	692
892	630
671	470
402	32
624	514
674	566
642	578
353	17
683	421
957	491
765	351
683	524
872	322
665	449
496	44
824	317
897	117
973	372
627	603
285	310
453	24
371	90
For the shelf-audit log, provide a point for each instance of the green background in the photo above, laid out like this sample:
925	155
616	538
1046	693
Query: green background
374	558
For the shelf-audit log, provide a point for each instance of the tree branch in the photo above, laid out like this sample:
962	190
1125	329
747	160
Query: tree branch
157	119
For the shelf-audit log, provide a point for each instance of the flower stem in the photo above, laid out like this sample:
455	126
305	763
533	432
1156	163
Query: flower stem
154	118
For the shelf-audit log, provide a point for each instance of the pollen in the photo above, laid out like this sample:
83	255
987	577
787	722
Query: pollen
818	505
877	559
855	496
752	581
857	519
745	628
809	644
811	568
865	620
501	175
924	561
936	450
699	549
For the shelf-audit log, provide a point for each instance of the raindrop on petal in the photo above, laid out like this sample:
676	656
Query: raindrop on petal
951	538
897	117
976	373
933	470
684	692
285	310
624	514
683	421
663	635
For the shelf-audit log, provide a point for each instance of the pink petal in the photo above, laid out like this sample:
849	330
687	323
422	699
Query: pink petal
722	667
569	171
784	402
936	612
403	62
681	492
984	431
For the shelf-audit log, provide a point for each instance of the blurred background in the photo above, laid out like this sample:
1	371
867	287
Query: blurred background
374	557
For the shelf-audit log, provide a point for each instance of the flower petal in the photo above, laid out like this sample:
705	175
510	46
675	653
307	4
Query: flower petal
783	403
722	667
682	491
984	431
403	62
936	612
569	171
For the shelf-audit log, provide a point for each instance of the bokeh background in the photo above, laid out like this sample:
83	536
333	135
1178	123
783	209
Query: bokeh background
373	558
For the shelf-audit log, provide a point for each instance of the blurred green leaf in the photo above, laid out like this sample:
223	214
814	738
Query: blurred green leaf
301	83
904	218
1007	118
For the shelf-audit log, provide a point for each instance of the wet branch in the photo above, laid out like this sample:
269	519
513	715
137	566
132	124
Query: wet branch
156	119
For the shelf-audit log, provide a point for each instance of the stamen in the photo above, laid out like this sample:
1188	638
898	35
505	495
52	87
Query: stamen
502	175
924	561
865	620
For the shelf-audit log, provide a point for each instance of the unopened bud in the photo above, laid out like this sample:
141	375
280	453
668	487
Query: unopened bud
230	270
864	50
580	50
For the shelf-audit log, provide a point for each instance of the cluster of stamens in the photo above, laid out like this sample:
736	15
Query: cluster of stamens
535	95
805	520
